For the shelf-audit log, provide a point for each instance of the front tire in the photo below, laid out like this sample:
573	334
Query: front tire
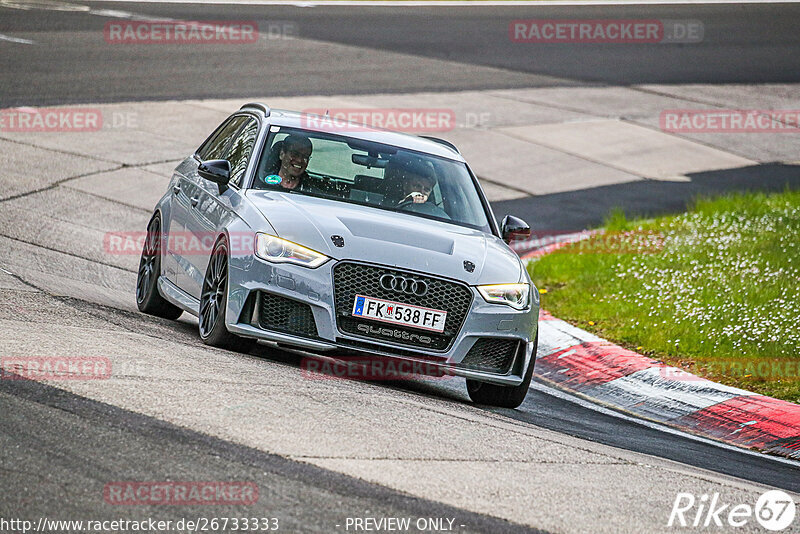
148	299
214	302
503	396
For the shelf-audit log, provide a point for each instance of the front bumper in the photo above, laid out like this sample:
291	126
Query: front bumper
314	288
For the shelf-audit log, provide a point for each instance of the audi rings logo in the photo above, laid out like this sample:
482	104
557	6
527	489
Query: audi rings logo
401	284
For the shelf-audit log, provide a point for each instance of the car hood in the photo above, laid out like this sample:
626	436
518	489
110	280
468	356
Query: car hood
389	238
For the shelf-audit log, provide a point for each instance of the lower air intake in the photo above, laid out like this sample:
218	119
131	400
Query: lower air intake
286	315
491	355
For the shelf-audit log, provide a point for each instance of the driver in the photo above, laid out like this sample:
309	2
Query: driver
416	182
417	188
413	178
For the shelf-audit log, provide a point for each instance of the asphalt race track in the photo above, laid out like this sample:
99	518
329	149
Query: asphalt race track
321	452
72	63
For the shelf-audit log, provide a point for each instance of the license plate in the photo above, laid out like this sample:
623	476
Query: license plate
399	313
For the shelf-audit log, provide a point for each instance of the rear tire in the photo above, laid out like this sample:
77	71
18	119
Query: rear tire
214	302
503	396
148	299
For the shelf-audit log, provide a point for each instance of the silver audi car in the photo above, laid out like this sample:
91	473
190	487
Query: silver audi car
333	237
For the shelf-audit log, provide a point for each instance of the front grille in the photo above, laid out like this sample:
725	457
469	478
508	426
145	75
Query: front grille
286	315
351	279
492	355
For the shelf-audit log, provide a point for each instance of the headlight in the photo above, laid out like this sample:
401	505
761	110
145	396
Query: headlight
514	295
277	250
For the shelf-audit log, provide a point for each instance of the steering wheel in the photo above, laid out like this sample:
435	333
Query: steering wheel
406	200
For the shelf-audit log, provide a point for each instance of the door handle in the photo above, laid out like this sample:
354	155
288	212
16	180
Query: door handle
195	201
176	188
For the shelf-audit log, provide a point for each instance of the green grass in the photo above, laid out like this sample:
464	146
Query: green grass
714	290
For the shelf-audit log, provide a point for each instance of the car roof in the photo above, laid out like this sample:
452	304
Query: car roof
313	122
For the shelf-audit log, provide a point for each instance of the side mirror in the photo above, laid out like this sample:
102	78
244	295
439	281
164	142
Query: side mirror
217	171
514	228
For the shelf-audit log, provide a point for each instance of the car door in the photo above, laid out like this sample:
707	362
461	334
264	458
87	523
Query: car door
182	248
173	226
209	208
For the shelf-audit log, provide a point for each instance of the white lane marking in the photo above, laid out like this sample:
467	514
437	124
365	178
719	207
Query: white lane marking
578	333
116	14
456	3
553	339
113	13
557	393
15	39
568	353
50	5
557	335
652	393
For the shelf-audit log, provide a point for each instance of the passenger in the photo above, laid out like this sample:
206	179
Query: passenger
292	162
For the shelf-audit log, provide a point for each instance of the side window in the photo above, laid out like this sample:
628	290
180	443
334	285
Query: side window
239	153
214	147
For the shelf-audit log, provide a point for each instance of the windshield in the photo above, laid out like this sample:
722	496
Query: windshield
372	174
